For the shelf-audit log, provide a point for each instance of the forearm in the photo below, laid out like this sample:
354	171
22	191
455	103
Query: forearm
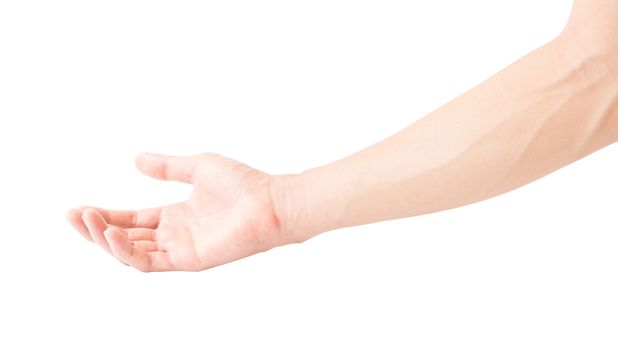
545	111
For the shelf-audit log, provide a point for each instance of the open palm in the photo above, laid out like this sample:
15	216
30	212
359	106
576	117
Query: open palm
228	216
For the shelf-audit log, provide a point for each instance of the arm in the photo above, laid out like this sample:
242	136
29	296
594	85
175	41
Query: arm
550	108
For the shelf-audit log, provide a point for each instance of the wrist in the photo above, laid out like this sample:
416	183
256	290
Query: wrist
289	200
309	203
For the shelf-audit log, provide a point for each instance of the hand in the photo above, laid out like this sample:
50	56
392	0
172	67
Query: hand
229	215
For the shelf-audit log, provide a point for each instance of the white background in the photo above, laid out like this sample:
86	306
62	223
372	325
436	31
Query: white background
283	86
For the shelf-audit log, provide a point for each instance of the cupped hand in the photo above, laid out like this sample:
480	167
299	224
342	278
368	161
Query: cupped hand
228	216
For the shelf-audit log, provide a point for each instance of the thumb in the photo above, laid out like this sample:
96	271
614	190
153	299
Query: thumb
165	167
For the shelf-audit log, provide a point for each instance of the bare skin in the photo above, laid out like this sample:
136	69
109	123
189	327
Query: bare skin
228	216
552	107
